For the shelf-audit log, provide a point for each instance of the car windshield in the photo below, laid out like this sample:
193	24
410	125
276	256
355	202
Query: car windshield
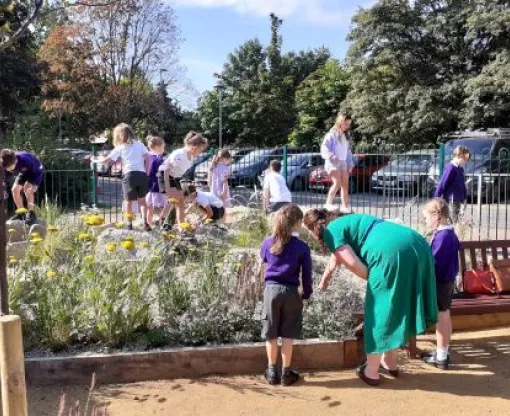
201	157
414	160
297	160
254	157
479	147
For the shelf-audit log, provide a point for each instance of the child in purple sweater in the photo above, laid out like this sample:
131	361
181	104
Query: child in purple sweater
29	171
287	259
445	248
452	186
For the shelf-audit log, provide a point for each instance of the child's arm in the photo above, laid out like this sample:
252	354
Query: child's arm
445	181
306	275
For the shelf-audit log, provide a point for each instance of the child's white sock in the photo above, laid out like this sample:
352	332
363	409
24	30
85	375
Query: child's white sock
442	353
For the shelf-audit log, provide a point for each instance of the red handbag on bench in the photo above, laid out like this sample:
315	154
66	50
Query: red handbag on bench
479	282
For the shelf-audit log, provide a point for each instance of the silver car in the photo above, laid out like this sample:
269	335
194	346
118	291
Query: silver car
407	173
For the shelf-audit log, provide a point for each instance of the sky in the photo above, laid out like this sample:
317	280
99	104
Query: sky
211	29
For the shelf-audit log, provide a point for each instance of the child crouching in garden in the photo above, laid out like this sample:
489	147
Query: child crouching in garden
210	206
445	248
287	260
29	172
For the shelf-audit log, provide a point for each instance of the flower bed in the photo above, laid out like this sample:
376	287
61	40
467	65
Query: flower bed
90	287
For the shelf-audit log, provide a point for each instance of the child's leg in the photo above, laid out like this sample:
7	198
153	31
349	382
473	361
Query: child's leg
30	191
287	347
143	209
16	195
443	328
150	214
272	351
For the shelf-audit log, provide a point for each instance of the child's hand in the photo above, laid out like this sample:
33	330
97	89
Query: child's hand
305	304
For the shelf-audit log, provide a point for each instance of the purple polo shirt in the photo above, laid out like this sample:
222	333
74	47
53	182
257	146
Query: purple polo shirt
294	262
156	162
27	164
445	248
452	185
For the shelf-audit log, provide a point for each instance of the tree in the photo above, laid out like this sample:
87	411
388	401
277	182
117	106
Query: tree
72	84
411	62
260	85
18	70
318	100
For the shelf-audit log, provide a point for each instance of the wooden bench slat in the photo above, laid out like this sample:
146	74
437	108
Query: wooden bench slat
505	252
472	255
494	251
485	264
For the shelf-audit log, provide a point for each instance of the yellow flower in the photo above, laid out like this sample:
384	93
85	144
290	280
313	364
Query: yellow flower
129	217
111	247
186	226
51	274
22	211
169	236
11	231
208	221
128	245
84	237
129	238
118	225
37	240
52	229
192	249
35	235
88	259
144	244
13	261
156	257
94	220
172	201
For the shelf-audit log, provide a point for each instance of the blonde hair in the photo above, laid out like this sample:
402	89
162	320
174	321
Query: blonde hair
462	151
195	139
286	218
154	141
340	118
123	134
222	154
438	206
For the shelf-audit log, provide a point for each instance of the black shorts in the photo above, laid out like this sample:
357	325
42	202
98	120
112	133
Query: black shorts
32	179
283	312
174	183
218	213
135	185
444	295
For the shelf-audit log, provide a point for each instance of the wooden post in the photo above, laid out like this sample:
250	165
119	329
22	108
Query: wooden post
12	367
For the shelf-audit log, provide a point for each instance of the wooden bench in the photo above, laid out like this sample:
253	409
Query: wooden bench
478	255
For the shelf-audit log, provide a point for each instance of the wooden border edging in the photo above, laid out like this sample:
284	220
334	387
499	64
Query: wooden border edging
186	363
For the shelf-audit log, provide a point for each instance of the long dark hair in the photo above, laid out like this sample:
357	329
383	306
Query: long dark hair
286	218
316	221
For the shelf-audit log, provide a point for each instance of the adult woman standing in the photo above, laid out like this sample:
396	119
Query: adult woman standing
400	301
336	151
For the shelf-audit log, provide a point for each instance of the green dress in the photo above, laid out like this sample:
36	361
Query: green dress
401	291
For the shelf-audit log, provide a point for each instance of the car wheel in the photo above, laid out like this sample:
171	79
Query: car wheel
298	184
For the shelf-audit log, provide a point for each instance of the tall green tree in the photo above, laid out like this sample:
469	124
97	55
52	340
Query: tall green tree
318	101
412	62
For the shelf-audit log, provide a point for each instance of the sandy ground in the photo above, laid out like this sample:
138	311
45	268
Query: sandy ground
477	384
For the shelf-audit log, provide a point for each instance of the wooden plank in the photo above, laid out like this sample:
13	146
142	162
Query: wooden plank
485	264
472	255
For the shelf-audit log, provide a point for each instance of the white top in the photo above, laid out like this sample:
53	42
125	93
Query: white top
204	199
334	149
178	162
445	227
131	155
278	190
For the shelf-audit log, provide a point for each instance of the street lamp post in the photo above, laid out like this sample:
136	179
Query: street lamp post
220	87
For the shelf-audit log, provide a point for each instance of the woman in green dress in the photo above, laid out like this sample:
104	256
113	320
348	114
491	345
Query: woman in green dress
400	301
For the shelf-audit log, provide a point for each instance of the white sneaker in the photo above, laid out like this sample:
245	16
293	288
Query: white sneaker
345	210
330	207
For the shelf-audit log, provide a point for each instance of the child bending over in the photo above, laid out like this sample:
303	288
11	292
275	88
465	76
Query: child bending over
210	206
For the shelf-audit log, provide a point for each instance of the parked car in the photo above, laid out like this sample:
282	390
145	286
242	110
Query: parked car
299	167
364	166
407	173
490	150
202	169
189	175
247	170
81	155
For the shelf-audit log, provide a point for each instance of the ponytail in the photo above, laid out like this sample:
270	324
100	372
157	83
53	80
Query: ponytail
222	154
285	220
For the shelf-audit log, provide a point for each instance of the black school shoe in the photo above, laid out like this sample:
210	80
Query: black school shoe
271	375
289	377
431	359
31	218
